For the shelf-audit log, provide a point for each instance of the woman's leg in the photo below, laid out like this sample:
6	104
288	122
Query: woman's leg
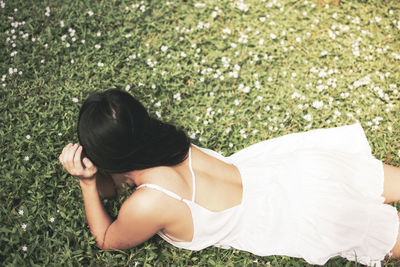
391	188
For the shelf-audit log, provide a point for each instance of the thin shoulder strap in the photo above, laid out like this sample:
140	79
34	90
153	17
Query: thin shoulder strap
193	177
159	188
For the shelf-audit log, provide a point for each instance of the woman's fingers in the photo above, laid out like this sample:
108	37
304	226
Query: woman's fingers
90	168
77	158
62	155
70	158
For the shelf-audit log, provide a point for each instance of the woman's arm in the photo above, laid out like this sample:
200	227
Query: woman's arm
98	219
139	219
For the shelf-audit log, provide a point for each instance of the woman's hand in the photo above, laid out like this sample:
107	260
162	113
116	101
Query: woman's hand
70	158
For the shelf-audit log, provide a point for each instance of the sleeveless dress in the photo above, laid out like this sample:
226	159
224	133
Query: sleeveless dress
313	195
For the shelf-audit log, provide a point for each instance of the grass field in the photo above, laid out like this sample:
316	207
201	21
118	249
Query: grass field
231	73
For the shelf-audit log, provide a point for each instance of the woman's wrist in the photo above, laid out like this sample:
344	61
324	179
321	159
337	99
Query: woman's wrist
88	183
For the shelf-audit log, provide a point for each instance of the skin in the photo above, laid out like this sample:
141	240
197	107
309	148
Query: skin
147	211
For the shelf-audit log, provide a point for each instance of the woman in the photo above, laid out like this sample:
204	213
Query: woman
313	195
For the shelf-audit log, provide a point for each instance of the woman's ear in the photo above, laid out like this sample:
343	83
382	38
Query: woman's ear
105	185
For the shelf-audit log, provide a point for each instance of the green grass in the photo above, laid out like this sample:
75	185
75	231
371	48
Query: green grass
277	90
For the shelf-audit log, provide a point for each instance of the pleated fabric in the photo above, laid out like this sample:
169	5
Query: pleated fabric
313	195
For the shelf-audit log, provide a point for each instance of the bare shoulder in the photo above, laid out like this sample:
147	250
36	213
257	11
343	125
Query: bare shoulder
149	205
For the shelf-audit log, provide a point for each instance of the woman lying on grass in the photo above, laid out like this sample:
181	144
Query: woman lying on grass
313	195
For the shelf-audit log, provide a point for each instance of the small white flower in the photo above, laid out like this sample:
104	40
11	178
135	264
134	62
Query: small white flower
21	212
153	86
90	13
24	248
98	34
318	104
23	226
97	46
100	64
307	117
51	219
28	136
127	87
62	25
128	35
227	31
26	158
164	48
273	36
75	100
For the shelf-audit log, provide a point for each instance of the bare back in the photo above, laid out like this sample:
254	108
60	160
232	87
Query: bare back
218	187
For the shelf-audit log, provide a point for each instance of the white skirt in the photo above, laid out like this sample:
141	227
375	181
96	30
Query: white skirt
315	195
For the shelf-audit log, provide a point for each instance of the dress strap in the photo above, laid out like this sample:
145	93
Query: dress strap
159	188
193	177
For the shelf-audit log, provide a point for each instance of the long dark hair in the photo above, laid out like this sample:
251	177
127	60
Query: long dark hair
118	135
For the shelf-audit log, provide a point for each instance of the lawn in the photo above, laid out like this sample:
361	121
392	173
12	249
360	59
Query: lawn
231	73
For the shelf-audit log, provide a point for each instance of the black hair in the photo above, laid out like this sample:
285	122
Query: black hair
118	135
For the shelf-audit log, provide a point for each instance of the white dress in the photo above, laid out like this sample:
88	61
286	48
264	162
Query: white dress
313	195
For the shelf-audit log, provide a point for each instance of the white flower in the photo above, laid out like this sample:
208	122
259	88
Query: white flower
227	31
26	158
51	219
128	35
307	117
273	36
28	136
75	100
97	46
24	248
127	87
23	226
318	104
47	14
62	25
100	64
164	48
90	13
21	212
